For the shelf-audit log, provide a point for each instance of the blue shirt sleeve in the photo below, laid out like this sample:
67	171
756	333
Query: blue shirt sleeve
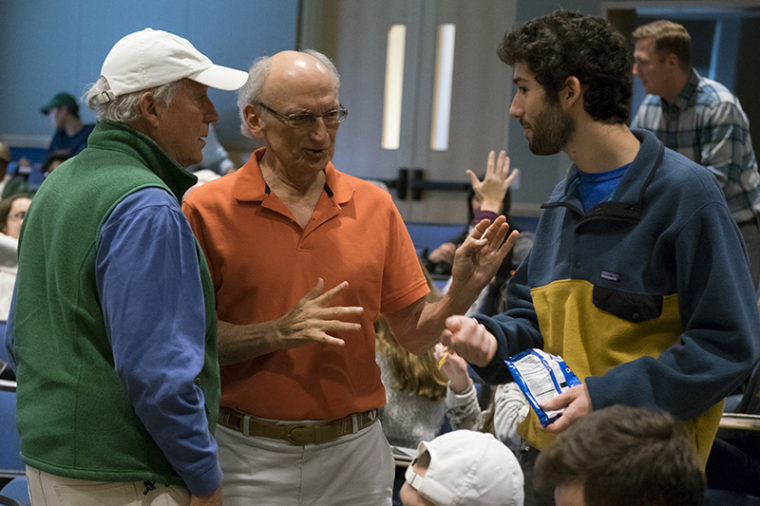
6	349
150	290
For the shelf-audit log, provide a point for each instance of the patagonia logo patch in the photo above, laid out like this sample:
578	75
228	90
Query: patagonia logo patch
610	276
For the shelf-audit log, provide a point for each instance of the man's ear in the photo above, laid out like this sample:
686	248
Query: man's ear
253	121
671	60
148	109
572	92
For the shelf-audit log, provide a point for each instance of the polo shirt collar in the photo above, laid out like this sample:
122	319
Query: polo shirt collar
251	187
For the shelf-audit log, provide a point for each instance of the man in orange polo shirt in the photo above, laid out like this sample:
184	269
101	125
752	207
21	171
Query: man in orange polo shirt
304	258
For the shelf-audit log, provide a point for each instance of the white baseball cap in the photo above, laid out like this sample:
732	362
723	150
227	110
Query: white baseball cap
469	468
150	58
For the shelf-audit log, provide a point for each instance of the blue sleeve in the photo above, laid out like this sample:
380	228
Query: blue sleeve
6	349
150	290
515	330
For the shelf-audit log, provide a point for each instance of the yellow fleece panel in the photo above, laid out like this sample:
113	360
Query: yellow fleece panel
593	341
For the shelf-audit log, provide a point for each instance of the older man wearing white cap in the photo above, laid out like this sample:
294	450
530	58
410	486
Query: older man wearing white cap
113	328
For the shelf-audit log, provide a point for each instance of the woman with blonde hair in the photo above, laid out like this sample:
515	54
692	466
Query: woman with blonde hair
415	393
415	388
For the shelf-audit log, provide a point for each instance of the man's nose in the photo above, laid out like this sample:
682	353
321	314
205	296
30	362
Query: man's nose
514	108
211	114
318	128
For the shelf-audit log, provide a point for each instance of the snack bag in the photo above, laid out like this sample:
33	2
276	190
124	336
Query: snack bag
541	376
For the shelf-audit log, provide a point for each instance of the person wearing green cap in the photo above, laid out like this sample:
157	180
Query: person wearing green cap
70	133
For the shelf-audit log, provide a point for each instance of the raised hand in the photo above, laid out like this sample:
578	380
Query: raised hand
478	258
491	190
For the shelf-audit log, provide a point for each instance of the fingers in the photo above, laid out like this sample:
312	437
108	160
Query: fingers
469	339
319	334
576	403
328	339
314	292
490	163
509	243
502	164
454	324
559	402
474	181
493	232
329	294
511	177
496	167
338	312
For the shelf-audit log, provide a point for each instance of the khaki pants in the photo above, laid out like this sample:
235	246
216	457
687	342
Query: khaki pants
51	490
354	470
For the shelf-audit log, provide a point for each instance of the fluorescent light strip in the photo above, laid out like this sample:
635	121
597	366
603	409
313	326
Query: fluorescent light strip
444	72
394	86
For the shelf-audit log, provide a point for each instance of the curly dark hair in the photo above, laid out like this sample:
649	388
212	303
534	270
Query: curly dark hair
563	44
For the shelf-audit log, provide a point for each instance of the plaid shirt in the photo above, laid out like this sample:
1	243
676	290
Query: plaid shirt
707	124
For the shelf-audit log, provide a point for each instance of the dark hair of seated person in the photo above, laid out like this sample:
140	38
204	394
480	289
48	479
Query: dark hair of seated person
626	456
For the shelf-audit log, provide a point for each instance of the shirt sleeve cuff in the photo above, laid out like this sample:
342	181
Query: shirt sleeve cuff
206	483
484	215
454	400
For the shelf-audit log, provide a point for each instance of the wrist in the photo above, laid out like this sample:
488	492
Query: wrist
491	206
461	385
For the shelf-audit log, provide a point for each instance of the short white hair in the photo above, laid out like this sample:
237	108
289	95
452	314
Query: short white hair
125	108
253	88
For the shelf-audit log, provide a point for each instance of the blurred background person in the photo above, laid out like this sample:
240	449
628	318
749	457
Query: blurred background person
701	119
71	134
12	212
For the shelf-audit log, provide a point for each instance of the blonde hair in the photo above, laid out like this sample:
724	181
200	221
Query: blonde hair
418	374
410	372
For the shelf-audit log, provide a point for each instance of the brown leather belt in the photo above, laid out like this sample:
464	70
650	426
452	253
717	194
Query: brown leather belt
298	434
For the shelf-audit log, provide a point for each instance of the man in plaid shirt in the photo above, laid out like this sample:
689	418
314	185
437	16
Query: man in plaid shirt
701	119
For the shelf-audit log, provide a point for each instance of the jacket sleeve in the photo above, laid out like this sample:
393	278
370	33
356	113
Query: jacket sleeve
515	330
150	290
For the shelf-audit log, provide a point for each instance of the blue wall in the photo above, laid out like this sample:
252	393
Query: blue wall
59	45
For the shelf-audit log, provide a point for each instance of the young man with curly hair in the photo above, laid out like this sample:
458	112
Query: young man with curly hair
633	277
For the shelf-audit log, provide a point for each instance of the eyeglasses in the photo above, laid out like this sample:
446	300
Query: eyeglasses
17	216
331	117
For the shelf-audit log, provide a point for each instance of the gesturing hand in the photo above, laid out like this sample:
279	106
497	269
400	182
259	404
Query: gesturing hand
480	255
312	319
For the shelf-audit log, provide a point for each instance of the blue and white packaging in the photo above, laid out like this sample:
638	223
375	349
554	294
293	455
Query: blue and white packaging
541	376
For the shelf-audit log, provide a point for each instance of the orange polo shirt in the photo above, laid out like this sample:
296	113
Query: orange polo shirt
262	263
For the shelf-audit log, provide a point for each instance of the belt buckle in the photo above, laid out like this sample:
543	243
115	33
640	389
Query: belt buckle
292	439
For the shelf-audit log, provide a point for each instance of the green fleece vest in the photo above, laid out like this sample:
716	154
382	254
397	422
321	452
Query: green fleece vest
73	414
